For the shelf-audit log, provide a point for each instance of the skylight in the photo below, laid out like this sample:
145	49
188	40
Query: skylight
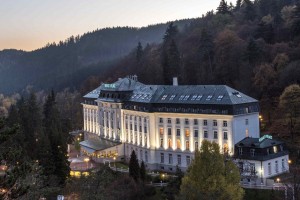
194	97
220	97
199	97
208	97
172	97
181	97
164	97
186	97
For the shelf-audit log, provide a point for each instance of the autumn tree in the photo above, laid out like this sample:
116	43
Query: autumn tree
290	104
210	176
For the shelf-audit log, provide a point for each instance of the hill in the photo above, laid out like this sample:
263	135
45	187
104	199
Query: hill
69	62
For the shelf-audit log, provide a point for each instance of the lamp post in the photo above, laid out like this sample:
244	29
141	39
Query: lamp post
115	162
87	162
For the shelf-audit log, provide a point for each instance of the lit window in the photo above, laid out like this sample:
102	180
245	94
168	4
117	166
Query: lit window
224	123
161	142
187	133
275	149
215	134
178	144
161	131
170	143
187	145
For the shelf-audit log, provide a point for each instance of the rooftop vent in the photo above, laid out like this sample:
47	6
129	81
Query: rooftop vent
175	81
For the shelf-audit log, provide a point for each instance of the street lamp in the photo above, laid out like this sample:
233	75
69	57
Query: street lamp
87	162
163	177
115	163
290	161
278	179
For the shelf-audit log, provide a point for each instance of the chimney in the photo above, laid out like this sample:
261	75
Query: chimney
175	81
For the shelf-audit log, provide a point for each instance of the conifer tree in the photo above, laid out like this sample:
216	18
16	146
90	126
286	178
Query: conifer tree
139	52
223	8
249	10
143	171
134	168
296	20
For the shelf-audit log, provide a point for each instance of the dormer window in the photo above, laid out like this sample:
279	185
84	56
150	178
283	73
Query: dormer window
240	151
252	151
275	149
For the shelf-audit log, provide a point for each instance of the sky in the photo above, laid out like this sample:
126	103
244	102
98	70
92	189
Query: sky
31	24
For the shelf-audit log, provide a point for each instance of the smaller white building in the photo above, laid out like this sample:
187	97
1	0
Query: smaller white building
261	158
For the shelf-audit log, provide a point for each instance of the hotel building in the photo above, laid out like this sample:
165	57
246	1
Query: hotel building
164	124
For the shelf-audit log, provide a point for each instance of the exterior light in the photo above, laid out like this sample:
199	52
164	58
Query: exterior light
278	179
290	161
78	139
80	134
87	162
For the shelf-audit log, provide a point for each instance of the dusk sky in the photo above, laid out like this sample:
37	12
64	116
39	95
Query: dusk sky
30	24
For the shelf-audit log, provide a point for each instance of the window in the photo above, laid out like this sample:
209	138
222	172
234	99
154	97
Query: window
178	144
145	129
140	129
208	97
179	160
224	123
169	120
161	142
275	149
282	165
169	131
252	152
145	140
276	166
240	151
186	121
181	97
199	97
164	97
187	145
194	97
281	148
161	131
187	132
178	132
161	120
141	154
135	127
170	159
225	136
196	146
172	97
268	151
205	134
215	134
246	121
162	159
177	121
126	126
146	156
186	97
269	169
220	97
205	122
170	143
130	126
215	123
196	133
195	121
188	160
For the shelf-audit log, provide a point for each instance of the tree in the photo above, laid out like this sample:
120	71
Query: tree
173	188
249	11
238	5
296	20
139	52
143	171
253	52
290	104
209	177
223	8
134	168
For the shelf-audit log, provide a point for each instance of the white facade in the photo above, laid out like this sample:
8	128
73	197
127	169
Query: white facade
164	140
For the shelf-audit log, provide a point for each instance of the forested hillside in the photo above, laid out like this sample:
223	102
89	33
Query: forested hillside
69	62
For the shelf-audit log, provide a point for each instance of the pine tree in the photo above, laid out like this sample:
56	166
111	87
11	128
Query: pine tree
139	52
296	21
134	168
249	10
252	52
143	171
223	8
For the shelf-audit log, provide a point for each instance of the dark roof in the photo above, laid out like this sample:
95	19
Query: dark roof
255	143
169	94
98	145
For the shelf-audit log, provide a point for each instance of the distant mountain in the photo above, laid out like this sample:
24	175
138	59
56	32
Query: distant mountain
69	62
